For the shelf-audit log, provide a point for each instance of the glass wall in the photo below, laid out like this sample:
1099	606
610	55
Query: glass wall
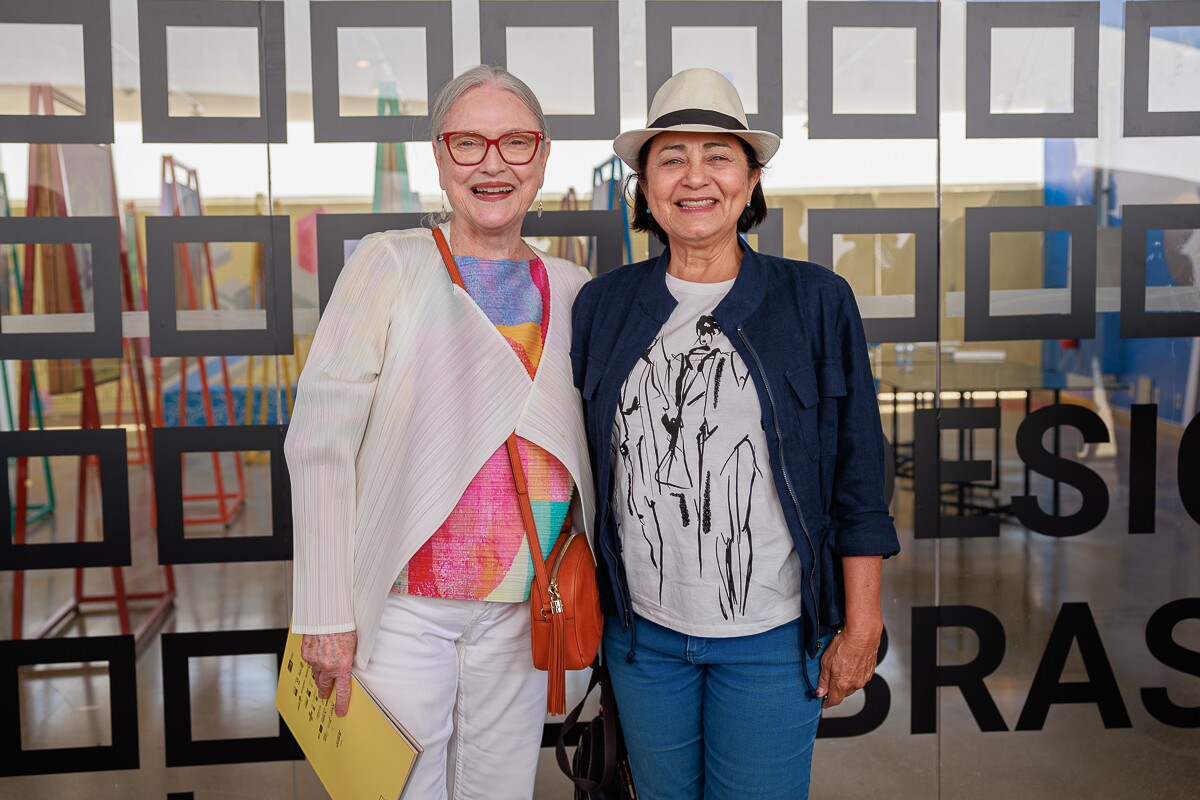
1011	188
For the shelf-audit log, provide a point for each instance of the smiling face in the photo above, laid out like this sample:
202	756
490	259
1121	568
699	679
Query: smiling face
490	199
697	185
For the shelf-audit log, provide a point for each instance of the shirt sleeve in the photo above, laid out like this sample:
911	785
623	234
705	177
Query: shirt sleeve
862	524
333	402
581	325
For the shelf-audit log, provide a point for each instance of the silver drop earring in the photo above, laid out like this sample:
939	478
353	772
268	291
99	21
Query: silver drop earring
539	208
443	203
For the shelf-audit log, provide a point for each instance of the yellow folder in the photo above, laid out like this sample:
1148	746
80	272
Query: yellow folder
364	755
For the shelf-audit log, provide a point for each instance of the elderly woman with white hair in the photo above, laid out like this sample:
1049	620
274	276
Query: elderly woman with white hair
411	560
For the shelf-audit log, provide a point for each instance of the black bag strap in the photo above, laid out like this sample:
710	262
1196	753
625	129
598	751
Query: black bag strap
608	716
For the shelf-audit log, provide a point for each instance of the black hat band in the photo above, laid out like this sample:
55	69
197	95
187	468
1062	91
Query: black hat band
698	116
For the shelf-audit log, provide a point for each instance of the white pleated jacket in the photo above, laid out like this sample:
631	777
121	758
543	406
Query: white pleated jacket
408	389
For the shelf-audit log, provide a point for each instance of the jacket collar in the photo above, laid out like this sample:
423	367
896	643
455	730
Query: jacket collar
747	293
653	295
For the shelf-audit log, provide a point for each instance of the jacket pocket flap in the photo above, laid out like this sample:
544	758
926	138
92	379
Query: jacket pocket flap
831	381
591	378
804	384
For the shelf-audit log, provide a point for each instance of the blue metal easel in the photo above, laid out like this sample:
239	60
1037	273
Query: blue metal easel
608	181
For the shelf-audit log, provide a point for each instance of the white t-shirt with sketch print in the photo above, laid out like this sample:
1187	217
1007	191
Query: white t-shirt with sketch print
706	548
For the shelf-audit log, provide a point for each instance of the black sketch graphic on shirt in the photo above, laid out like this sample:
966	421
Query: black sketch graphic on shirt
671	475
735	545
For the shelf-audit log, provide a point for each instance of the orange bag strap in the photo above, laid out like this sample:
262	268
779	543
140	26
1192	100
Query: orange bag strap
535	548
514	455
448	258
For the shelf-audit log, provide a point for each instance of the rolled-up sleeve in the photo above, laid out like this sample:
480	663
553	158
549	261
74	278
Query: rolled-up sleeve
333	402
862	524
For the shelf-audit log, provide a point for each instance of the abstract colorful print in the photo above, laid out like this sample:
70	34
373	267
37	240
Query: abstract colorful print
480	552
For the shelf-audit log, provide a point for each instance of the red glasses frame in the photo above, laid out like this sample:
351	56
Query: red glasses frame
489	143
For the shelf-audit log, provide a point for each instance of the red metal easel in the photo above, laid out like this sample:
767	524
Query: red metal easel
45	160
229	504
135	351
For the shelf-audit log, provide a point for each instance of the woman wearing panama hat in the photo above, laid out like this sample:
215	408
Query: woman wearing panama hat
738	456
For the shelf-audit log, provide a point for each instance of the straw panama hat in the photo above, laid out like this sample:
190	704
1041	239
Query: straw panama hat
701	100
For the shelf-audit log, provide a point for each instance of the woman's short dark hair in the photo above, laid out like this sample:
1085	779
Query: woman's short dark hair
752	216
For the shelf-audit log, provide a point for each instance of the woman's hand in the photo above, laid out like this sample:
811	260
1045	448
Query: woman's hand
848	663
847	666
331	656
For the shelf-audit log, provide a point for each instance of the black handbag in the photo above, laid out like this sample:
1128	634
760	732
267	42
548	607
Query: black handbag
599	767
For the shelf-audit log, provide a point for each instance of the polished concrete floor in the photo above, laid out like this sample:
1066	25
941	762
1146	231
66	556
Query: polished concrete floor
1023	579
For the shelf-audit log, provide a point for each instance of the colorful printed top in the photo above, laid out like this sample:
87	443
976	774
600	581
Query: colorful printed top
480	552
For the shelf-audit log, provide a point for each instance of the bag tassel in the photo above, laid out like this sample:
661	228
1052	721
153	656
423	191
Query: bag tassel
556	693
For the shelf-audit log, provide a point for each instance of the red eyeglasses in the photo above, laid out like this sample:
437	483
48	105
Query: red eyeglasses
467	148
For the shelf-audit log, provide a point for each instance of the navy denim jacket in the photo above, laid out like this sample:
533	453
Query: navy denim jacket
796	326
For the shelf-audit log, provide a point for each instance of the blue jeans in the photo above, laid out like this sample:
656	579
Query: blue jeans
718	719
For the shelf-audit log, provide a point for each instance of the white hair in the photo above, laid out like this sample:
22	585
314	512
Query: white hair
482	75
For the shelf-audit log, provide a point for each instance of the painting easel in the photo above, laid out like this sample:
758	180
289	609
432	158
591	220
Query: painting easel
258	388
608	187
135	352
175	194
48	196
34	511
570	247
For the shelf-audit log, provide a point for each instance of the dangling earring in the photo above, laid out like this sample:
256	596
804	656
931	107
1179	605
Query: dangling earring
747	204
539	207
443	203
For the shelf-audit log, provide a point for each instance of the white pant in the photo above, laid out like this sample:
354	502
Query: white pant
459	676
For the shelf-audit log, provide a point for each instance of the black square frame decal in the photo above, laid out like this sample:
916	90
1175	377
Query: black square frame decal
95	126
166	339
265	16
823	18
824	223
169	446
497	16
980	325
109	445
120	654
662	16
1140	17
1082	121
326	16
182	750
104	236
1137	221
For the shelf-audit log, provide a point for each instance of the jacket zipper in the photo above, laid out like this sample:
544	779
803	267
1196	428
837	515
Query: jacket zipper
622	590
788	482
626	600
